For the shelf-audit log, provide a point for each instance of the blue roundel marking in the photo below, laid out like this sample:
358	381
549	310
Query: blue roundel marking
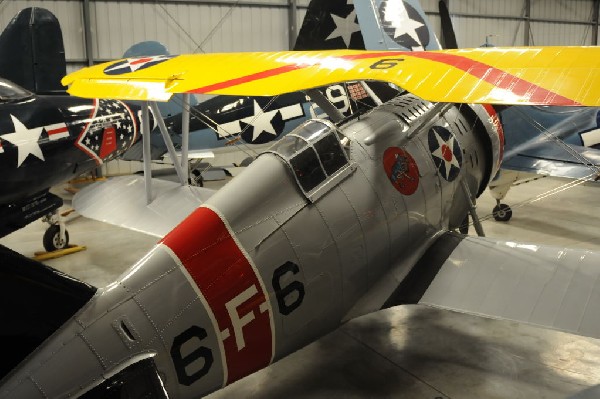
445	151
134	64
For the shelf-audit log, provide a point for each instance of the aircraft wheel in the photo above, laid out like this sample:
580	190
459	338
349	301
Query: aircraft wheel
52	240
502	213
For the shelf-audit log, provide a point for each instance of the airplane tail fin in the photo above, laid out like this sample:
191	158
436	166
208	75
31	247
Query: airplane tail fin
370	24
32	52
395	25
330	25
147	48
448	34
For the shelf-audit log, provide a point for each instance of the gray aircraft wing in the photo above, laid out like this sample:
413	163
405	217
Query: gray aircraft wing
548	159
122	201
541	285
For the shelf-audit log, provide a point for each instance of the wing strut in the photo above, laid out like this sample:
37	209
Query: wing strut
146	151
332	112
473	209
168	142
180	166
185	136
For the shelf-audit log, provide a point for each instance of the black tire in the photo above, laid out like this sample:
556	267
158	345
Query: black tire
502	213
52	240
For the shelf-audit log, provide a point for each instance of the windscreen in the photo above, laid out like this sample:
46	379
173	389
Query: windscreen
10	91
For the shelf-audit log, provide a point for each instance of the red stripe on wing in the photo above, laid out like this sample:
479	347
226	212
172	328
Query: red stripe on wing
279	71
498	78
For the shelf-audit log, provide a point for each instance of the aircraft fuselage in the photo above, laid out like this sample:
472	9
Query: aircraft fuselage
45	140
242	282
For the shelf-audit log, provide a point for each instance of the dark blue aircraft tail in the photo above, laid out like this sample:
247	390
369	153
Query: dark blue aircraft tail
330	25
371	25
32	53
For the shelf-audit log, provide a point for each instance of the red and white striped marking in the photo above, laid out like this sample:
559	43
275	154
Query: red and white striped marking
230	285
57	131
498	128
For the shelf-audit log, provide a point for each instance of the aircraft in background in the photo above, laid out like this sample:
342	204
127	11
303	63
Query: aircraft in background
540	140
248	125
46	136
336	220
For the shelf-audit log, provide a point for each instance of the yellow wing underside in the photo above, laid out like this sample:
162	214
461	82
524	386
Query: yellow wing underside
534	75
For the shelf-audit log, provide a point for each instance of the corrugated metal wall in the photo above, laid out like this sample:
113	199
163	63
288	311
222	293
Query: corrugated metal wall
551	22
186	28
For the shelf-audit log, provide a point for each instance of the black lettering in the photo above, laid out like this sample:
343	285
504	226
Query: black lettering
180	362
386	63
282	293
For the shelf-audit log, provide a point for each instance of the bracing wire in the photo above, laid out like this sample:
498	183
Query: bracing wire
199	46
594	169
218	25
176	22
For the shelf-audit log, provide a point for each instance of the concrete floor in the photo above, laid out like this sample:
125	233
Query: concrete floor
409	351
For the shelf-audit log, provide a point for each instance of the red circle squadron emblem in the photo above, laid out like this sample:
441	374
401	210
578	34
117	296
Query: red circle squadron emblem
401	169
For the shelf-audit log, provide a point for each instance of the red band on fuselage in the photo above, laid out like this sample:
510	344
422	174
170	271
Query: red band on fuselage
231	288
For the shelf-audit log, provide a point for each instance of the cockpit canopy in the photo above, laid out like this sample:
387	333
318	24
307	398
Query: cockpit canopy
10	91
315	155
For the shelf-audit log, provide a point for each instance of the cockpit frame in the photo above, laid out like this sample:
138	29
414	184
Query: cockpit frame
12	92
315	156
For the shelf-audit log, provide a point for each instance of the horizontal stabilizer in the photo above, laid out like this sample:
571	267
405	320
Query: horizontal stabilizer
550	287
532	75
122	201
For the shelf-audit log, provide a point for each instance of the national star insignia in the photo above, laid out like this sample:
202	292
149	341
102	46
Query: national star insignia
344	27
261	121
446	154
397	17
25	139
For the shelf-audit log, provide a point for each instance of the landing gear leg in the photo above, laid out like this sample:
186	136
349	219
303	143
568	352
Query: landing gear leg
472	210
502	212
56	236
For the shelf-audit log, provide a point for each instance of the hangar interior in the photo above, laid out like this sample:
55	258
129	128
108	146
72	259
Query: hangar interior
410	351
99	31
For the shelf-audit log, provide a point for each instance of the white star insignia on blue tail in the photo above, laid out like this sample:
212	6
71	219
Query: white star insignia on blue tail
344	27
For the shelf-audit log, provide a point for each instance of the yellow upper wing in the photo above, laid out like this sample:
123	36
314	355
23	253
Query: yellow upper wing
533	75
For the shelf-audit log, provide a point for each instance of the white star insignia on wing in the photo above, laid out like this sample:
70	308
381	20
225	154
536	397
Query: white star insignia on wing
26	140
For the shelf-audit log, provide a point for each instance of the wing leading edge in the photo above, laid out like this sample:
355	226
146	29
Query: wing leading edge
542	75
